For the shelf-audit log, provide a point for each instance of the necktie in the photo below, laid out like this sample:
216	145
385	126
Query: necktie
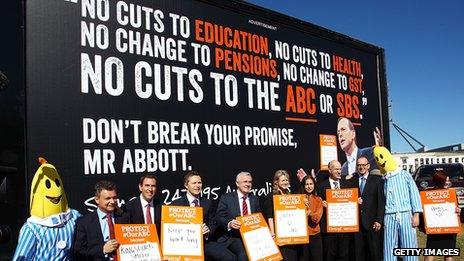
111	229
244	206
196	203
148	215
110	225
361	186
335	183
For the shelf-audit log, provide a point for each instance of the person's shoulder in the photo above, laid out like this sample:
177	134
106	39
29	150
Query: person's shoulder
375	177
86	218
205	199
132	202
180	201
252	196
316	198
228	196
75	214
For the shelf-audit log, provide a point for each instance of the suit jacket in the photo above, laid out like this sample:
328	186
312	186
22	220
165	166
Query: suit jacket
135	213
321	192
228	209
88	240
372	208
208	213
366	152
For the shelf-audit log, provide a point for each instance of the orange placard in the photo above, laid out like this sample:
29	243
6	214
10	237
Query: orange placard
342	210
290	220
440	211
137	242
181	236
257	238
328	144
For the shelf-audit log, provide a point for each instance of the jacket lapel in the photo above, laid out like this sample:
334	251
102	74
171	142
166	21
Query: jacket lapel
236	204
96	221
368	182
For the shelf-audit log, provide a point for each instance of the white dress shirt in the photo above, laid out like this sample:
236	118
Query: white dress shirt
144	208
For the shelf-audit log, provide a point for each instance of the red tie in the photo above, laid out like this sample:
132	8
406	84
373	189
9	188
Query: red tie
110	225
244	206
111	228
148	215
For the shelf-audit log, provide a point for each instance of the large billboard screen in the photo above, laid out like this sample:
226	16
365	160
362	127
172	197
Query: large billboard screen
119	89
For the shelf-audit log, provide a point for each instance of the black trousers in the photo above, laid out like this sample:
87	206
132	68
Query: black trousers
313	251
230	250
336	246
367	245
290	252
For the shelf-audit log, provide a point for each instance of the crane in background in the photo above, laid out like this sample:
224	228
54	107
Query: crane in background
406	136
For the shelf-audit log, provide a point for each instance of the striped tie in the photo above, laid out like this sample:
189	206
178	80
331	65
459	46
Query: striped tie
244	206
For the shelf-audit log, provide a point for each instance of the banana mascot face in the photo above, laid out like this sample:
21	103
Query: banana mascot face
47	193
384	159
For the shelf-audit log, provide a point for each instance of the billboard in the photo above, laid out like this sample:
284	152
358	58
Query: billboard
119	89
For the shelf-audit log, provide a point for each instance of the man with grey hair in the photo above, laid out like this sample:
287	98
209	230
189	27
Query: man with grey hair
231	205
336	246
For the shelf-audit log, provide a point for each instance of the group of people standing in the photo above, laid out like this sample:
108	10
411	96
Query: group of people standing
387	204
364	245
389	208
94	236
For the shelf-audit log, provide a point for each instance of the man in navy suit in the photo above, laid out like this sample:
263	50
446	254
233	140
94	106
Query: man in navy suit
231	205
145	209
372	209
94	239
347	141
194	185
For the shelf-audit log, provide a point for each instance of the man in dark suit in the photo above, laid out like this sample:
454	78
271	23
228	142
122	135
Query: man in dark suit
231	205
145	209
347	140
94	239
336	245
372	209
194	185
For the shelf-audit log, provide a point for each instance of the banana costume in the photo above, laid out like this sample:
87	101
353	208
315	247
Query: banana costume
402	201
48	233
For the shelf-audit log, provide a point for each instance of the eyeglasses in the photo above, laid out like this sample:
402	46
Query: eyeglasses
362	165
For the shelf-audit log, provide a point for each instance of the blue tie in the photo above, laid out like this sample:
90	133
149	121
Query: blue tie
361	186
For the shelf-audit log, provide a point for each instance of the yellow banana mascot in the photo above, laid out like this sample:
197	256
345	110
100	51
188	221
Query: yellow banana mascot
48	233
402	205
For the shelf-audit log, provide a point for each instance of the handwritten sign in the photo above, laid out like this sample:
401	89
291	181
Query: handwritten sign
290	220
440	211
257	238
181	236
137	242
342	210
328	145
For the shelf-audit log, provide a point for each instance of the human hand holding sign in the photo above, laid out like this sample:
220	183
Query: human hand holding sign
110	246
234	223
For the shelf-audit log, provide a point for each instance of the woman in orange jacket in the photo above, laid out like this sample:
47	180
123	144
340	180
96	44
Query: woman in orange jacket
313	250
